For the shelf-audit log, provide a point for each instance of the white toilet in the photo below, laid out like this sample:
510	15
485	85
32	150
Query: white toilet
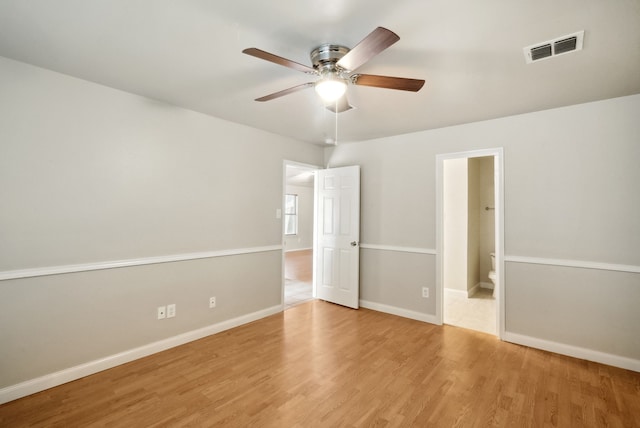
492	272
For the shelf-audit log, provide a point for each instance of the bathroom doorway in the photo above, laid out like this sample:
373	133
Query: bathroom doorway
469	240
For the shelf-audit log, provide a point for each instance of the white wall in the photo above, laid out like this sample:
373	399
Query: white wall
304	238
88	175
571	197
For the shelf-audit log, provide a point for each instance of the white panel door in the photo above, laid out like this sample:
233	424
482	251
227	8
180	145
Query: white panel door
337	229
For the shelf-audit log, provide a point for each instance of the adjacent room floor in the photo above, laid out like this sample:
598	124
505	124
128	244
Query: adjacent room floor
298	277
476	313
296	292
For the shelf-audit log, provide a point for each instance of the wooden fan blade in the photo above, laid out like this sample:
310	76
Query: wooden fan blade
377	41
339	106
285	92
400	83
258	53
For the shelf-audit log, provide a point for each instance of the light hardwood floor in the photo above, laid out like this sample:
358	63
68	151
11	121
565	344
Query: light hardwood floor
298	265
322	365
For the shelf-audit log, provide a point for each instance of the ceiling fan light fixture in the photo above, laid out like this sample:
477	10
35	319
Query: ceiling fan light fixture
335	65
331	89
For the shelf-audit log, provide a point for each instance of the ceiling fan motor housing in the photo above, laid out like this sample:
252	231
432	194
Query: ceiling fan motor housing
325	57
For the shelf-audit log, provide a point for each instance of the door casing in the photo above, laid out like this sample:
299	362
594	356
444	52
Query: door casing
498	156
285	164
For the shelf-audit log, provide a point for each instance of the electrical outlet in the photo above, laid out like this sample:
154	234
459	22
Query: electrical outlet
171	310
212	302
162	312
425	292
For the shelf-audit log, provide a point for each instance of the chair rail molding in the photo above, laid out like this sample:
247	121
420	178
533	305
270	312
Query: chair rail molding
84	267
573	263
397	248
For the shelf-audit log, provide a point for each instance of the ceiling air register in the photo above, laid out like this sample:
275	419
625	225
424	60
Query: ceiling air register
549	49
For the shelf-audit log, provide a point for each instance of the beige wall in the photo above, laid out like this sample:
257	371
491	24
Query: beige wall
89	174
474	226
469	230
487	218
456	224
570	194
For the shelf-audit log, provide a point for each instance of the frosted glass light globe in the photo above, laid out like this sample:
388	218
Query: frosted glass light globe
330	89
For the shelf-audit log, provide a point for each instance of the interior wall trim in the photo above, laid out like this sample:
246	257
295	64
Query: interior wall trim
398	248
401	312
32	386
574	351
573	263
84	267
298	249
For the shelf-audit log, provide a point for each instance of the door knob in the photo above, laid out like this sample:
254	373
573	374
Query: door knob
354	243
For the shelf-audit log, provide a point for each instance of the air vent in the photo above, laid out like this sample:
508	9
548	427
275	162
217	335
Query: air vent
540	52
565	45
559	46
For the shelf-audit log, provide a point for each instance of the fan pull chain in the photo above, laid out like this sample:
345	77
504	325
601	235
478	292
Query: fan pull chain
335	141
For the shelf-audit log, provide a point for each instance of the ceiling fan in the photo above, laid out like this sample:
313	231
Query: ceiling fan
335	65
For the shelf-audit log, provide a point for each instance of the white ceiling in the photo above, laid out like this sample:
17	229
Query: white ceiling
188	53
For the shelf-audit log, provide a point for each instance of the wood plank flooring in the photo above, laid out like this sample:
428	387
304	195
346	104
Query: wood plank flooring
298	265
322	365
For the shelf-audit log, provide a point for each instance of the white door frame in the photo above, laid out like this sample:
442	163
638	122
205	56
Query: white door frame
498	154
286	163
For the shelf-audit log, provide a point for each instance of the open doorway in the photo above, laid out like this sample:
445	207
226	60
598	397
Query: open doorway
470	240
298	217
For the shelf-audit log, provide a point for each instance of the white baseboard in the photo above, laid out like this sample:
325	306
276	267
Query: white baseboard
573	351
32	386
401	312
473	290
487	285
460	293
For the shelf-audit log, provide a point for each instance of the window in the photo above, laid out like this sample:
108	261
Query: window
290	214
